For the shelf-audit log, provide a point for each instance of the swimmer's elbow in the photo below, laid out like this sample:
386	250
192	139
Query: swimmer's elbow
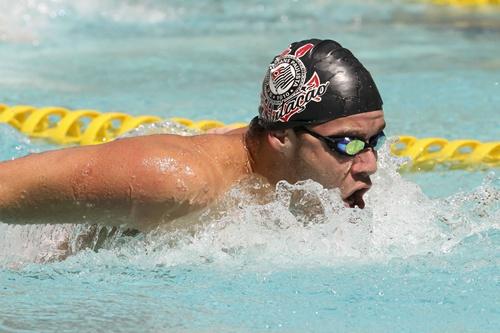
10	206
6	201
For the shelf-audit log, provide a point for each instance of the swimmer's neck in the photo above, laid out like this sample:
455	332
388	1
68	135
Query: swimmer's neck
266	162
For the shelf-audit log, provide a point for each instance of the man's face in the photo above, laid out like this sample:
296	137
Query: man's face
351	174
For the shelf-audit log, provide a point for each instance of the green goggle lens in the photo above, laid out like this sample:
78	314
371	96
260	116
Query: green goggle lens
354	147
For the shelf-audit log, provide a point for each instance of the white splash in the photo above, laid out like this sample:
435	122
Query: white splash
303	224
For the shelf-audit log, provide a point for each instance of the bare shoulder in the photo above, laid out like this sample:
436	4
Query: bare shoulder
170	167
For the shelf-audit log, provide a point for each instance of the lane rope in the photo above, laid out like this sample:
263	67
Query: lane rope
426	153
85	127
466	3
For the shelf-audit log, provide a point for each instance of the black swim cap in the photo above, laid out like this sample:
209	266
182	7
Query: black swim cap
314	81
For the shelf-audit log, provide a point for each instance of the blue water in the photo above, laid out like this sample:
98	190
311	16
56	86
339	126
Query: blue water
422	257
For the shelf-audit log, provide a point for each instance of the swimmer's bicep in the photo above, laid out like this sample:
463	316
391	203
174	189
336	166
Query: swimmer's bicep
141	172
179	180
183	183
147	170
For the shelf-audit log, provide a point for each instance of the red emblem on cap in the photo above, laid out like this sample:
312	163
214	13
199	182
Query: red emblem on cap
301	51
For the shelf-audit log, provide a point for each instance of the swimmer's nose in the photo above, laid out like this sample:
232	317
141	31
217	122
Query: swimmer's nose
365	162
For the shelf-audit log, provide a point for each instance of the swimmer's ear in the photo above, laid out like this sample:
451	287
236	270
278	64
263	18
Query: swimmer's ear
281	140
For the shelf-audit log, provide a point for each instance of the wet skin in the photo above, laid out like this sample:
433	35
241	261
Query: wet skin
350	174
295	156
141	182
137	182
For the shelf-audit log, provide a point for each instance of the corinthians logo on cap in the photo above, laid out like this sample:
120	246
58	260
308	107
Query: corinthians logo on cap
285	76
285	91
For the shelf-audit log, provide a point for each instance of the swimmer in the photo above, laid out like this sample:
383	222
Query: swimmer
320	118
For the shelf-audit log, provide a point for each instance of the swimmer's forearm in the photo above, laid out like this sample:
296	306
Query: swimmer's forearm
72	185
124	182
42	188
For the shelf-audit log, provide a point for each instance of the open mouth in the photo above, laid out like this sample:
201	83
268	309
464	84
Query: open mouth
355	199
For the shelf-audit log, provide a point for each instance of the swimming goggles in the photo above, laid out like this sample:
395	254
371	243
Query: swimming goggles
346	145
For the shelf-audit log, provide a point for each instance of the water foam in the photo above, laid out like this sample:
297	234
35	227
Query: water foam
302	224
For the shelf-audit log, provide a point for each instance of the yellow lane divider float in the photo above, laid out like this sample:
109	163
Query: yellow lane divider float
466	3
84	127
426	153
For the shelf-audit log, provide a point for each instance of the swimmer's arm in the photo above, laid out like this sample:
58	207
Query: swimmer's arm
118	183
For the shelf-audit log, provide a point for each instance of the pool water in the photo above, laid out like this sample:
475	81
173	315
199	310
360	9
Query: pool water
422	257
